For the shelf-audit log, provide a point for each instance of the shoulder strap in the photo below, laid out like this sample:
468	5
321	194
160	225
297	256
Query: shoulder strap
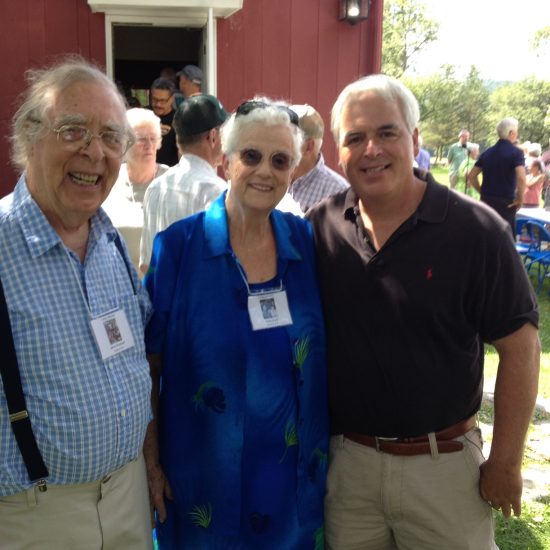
120	248
19	417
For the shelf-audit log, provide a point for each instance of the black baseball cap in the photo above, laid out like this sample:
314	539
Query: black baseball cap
199	113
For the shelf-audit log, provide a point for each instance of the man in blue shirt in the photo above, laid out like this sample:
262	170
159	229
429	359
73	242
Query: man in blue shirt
503	167
77	314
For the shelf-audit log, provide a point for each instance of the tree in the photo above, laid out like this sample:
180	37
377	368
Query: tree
407	30
528	101
474	106
439	117
541	40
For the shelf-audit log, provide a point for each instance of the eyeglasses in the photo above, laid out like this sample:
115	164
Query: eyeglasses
145	140
249	106
252	157
74	138
160	99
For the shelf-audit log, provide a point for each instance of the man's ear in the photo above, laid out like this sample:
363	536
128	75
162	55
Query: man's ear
212	137
309	145
225	165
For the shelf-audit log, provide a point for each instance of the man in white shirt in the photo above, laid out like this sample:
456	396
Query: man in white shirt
192	184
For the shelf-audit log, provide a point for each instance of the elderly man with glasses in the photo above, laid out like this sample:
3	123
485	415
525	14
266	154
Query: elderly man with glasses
75	398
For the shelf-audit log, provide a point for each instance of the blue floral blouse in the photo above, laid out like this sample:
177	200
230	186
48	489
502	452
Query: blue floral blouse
243	414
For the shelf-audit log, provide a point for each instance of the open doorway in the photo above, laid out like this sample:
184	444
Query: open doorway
141	52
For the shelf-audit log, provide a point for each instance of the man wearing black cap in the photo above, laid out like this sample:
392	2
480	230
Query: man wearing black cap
190	80
192	184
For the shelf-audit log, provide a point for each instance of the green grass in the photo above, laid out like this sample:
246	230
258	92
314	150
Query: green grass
530	531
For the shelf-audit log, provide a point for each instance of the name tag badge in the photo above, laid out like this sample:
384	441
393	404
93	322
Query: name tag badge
112	333
268	310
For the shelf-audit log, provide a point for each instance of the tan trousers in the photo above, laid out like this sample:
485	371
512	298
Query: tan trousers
110	514
378	501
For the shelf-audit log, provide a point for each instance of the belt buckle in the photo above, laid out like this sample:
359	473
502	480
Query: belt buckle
378	439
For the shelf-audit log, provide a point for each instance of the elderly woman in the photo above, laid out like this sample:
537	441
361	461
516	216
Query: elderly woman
533	184
237	338
125	203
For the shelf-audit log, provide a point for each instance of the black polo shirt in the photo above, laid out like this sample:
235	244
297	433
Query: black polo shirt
168	152
406	324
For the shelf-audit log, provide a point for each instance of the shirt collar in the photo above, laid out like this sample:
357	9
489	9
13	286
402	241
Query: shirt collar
309	175
217	234
432	208
37	231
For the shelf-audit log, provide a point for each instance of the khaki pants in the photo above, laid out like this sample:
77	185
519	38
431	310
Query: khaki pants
109	514
378	501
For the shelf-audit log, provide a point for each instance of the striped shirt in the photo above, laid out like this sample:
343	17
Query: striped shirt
315	185
89	415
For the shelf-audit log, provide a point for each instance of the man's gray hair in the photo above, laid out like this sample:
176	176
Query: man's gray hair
271	115
44	85
507	125
382	86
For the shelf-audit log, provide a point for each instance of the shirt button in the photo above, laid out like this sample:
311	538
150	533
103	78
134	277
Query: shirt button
123	412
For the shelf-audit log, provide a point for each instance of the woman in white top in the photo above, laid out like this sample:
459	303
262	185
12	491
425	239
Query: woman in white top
124	205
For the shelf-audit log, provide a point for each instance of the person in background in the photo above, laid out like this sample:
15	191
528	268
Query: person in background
466	168
170	74
546	156
533	152
457	154
237	340
503	168
77	314
423	157
190	81
533	184
313	180
415	278
162	100
124	205
193	183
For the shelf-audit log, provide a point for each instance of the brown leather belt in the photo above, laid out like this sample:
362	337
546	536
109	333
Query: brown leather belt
417	445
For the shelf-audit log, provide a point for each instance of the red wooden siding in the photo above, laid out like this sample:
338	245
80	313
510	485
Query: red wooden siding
292	49
33	33
297	50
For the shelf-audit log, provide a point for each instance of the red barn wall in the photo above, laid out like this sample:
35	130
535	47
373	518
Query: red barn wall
33	33
292	49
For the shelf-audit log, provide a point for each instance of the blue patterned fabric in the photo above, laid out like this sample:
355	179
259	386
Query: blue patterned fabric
243	415
89	416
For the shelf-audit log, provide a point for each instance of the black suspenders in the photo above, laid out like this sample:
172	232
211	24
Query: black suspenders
17	407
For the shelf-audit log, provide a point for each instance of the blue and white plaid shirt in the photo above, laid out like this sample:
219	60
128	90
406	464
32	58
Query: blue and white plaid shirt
315	185
88	415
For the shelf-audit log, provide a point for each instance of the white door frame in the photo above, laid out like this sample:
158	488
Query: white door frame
207	22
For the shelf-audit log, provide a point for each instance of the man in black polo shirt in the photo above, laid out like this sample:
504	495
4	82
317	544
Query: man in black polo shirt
503	167
414	279
161	99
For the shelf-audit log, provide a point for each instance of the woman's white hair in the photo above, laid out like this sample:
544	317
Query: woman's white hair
270	115
138	116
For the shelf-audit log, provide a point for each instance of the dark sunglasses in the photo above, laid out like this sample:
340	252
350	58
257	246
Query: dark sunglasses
253	157
248	106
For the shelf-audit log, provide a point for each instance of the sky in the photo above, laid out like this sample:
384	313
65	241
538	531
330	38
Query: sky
494	35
